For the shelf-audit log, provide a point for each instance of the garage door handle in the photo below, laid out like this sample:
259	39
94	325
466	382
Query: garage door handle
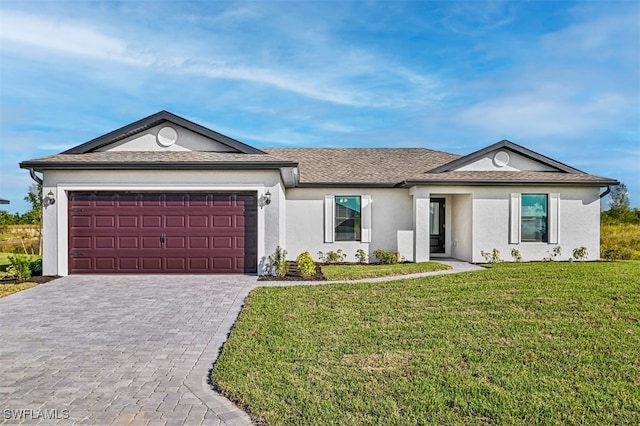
162	238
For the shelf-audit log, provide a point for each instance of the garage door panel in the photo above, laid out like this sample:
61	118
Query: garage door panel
223	263
80	243
127	221
152	221
174	221
121	232
198	242
128	263
222	242
200	221
222	200
176	200
128	242
105	243
151	264
105	222
105	264
173	242
176	264
80	222
151	200
151	243
199	263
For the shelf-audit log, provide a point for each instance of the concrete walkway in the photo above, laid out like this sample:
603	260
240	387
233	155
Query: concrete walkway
125	350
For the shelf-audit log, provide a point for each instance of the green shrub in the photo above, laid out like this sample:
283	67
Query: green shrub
332	256
20	267
306	265
493	256
580	253
36	267
361	256
515	253
279	264
387	257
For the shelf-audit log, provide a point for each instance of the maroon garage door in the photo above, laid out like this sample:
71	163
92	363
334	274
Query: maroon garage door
162	233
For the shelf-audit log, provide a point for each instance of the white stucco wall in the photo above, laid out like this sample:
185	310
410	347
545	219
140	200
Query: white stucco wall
517	162
271	230
477	218
578	222
391	211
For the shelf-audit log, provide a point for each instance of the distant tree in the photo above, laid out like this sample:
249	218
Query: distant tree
619	202
7	219
619	207
34	216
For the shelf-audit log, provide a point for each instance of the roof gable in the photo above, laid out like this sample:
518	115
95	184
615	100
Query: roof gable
164	131
505	156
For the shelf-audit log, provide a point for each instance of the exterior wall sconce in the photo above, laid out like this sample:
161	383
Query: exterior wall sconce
49	199
265	200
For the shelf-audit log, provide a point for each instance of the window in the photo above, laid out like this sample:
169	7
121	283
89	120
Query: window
533	218
348	218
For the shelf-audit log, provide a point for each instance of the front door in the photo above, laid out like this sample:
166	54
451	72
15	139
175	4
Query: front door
436	225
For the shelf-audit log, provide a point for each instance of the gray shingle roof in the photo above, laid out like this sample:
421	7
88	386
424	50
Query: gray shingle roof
387	166
320	166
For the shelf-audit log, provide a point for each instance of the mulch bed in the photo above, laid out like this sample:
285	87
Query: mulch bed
38	279
293	274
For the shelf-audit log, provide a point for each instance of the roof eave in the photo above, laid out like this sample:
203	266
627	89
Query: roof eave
464	160
347	185
158	165
599	183
153	120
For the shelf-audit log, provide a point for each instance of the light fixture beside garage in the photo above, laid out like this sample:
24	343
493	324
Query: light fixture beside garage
265	200
49	199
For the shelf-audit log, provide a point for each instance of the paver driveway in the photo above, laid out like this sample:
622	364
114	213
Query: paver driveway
118	350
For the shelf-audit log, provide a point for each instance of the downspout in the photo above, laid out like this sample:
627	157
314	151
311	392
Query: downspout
35	177
606	192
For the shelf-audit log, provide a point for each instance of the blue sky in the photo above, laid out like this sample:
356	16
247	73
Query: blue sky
561	78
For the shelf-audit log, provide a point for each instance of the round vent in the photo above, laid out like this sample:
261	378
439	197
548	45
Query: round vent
501	159
167	136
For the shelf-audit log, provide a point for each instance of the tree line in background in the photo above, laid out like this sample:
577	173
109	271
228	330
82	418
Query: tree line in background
31	217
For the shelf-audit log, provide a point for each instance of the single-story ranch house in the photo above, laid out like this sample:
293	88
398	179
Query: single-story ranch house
166	195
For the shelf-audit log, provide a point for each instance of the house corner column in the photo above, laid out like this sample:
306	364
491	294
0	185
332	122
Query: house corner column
49	236
421	227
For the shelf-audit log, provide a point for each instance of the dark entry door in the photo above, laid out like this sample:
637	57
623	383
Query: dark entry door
436	225
162	232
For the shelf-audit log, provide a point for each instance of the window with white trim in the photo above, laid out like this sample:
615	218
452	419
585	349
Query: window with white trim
348	218
534	218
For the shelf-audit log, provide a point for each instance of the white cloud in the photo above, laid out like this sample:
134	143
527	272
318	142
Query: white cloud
537	114
319	69
66	37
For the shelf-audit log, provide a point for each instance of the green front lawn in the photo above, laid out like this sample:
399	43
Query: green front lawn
538	343
356	272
